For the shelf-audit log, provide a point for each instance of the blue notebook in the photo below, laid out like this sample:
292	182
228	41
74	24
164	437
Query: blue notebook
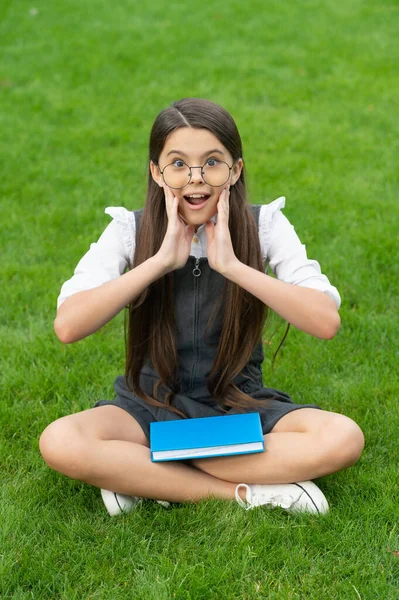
206	437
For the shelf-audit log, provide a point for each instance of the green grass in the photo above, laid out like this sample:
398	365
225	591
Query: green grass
313	87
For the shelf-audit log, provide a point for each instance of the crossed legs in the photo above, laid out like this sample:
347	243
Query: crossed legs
106	447
305	444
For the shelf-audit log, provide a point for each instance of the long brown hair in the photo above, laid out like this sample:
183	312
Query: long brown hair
152	327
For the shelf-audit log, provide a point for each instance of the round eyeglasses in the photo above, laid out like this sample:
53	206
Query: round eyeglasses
214	172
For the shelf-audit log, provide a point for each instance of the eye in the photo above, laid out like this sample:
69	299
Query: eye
212	162
178	163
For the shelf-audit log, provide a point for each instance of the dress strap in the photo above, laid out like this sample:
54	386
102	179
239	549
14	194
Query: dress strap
256	212
137	215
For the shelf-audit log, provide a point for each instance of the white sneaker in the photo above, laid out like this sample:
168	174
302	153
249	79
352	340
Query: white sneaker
117	504
303	496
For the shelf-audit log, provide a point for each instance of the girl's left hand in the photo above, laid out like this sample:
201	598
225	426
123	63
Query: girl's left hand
219	247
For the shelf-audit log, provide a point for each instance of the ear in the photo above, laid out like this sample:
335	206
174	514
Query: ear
236	171
156	174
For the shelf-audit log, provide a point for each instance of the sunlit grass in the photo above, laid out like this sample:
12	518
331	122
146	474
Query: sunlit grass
313	88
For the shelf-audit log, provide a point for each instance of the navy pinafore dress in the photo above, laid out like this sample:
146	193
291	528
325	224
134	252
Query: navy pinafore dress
197	288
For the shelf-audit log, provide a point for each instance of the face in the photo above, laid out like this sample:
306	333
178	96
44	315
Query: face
196	147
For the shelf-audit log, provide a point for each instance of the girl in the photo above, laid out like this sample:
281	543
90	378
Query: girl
198	296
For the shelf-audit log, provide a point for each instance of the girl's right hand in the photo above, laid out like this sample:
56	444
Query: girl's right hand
176	246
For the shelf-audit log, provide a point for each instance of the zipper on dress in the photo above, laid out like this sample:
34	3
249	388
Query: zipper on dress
197	271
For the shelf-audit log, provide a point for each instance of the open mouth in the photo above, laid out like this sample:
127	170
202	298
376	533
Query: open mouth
196	199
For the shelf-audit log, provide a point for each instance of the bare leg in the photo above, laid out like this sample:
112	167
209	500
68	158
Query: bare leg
106	447
305	444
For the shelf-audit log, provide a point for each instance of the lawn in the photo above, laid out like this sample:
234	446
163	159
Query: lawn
314	90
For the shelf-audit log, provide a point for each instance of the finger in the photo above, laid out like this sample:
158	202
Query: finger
167	200
210	230
223	205
175	209
169	196
227	197
227	201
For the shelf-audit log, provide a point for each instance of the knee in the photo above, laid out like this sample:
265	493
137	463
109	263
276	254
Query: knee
62	447
346	441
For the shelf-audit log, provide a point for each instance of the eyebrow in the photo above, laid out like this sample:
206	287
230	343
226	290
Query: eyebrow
205	153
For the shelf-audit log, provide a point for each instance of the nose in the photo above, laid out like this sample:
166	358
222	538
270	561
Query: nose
196	175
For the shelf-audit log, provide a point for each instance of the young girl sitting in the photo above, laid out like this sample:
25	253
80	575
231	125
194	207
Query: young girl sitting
191	268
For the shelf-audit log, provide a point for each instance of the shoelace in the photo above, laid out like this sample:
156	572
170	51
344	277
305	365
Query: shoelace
283	500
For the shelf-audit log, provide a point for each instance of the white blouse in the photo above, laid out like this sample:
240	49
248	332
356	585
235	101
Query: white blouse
281	248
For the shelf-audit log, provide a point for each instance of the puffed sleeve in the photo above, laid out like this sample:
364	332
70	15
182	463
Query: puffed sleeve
286	255
107	258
